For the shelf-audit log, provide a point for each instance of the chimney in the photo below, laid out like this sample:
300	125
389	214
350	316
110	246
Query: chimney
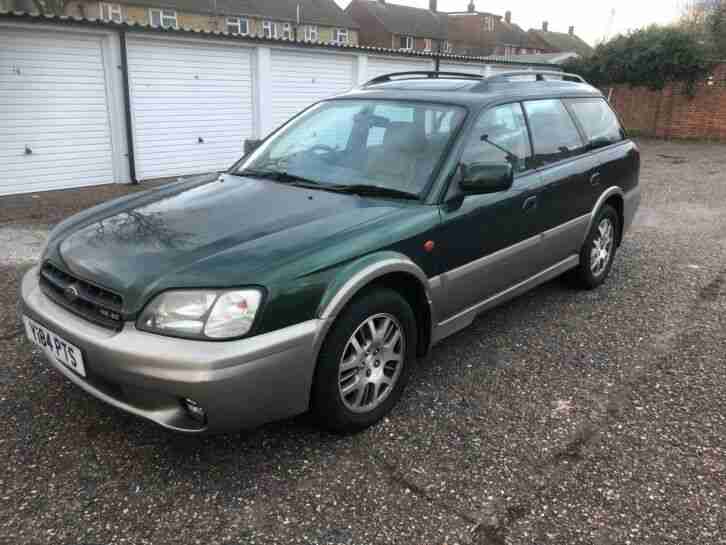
545	26
471	7
508	17
572	31
432	5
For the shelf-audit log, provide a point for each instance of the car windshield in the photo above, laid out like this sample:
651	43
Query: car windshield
390	146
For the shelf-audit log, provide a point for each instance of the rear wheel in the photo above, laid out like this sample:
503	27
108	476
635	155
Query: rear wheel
598	252
365	361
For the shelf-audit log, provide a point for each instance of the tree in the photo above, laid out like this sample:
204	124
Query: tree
716	28
653	57
707	20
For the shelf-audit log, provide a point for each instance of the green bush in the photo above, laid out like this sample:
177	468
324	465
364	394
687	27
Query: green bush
651	57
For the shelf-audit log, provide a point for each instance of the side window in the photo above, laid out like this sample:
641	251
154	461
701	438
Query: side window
554	134
599	122
500	134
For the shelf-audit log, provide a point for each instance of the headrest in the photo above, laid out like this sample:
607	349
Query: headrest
403	137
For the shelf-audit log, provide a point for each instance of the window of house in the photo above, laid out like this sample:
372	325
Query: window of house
499	129
341	35
599	123
111	12
446	46
406	42
286	33
554	134
237	25
312	34
165	18
427	44
268	29
488	23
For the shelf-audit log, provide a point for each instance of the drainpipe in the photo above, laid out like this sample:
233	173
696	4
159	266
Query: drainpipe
127	108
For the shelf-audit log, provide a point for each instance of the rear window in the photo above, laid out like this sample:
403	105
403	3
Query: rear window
599	122
554	134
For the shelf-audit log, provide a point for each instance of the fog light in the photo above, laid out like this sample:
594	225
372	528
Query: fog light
195	410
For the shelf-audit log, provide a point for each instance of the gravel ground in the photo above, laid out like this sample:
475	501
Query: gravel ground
562	417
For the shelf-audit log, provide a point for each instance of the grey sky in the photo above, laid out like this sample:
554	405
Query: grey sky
590	17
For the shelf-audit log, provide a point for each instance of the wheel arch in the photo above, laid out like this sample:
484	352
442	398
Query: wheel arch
615	197
390	269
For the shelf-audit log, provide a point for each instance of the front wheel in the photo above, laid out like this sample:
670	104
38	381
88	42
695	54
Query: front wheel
364	362
598	252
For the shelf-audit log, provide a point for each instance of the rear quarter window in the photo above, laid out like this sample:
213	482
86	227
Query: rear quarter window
599	123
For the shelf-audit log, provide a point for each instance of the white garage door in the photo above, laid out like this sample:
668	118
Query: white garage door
378	66
299	79
54	121
470	68
191	104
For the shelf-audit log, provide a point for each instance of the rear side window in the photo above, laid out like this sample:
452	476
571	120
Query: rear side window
599	122
554	134
500	134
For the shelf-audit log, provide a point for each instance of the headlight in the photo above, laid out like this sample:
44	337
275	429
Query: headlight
202	314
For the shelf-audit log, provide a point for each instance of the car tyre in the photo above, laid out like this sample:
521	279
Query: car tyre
364	362
598	251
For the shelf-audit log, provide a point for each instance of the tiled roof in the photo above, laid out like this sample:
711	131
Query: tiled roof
397	19
553	58
323	12
564	42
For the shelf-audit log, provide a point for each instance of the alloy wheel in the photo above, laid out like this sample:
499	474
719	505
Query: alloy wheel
371	363
602	247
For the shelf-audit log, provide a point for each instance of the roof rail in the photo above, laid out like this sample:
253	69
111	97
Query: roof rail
424	74
540	75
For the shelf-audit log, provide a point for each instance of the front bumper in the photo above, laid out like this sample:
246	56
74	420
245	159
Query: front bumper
240	384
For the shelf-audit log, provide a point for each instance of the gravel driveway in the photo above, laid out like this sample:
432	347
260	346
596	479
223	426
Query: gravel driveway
562	417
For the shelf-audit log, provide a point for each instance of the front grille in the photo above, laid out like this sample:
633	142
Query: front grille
95	304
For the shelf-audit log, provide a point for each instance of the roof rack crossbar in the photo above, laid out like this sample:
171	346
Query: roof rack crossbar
540	75
422	73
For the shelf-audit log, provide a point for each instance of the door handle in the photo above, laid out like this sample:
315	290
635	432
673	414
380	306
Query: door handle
595	179
530	203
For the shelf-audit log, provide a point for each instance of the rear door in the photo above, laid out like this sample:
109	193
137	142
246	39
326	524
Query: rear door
560	155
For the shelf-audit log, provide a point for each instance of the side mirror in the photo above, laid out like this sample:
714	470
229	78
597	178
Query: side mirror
251	145
482	178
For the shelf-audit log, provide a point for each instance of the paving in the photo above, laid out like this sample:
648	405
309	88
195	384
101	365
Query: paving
561	417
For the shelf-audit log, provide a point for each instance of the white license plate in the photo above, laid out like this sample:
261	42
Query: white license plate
55	346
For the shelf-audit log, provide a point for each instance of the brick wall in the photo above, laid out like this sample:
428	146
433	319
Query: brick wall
672	113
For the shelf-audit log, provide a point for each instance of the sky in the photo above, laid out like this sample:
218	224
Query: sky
590	17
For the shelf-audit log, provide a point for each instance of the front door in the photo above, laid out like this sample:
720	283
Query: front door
486	242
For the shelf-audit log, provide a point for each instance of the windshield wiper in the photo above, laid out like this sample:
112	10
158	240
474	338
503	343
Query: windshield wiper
284	177
375	191
356	189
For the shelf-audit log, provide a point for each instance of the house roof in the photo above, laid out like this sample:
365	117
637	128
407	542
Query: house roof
505	33
564	41
407	20
322	12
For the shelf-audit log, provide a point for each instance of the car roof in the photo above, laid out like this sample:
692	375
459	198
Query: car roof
472	90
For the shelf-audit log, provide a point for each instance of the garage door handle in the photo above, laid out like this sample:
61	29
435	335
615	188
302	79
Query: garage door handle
595	178
530	204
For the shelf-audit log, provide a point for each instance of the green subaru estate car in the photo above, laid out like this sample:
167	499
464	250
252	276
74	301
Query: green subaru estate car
313	273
